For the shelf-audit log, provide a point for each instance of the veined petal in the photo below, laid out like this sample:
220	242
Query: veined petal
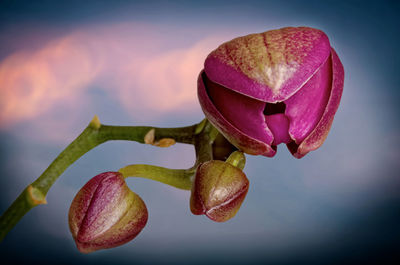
269	66
238	138
81	203
226	211
243	112
279	125
107	205
305	108
316	138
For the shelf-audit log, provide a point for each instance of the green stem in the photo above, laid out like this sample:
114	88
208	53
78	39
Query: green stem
179	178
94	135
202	138
203	142
237	159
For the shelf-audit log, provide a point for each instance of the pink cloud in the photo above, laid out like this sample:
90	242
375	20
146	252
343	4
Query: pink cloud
132	63
32	83
165	82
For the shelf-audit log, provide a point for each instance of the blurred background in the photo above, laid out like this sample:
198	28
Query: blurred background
136	63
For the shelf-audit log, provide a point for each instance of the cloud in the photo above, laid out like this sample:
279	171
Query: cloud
146	72
32	83
165	82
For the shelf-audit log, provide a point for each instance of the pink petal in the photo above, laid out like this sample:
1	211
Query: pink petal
320	132
305	108
241	140
226	211
243	112
104	208
81	203
269	66
279	125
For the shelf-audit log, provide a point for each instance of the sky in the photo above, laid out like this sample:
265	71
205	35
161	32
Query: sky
136	63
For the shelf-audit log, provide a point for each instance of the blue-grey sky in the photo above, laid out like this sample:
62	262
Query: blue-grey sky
128	61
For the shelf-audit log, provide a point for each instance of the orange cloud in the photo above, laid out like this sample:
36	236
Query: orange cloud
32	83
128	61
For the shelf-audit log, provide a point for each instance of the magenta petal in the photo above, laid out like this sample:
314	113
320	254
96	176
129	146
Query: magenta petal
237	137
269	66
99	215
305	108
243	112
319	134
279	125
83	203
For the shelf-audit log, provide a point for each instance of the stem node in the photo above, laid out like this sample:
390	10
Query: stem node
150	137
95	123
35	196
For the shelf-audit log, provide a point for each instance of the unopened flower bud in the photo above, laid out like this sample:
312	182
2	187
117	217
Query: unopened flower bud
218	190
105	213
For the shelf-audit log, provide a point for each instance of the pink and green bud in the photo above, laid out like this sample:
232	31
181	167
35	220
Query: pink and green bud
105	213
280	86
218	191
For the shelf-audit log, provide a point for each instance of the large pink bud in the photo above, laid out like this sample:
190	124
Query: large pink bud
280	86
105	213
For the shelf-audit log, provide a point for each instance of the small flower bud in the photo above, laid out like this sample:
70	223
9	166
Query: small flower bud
105	213
218	191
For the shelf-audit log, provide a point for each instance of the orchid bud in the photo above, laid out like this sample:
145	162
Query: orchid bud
280	86
105	213
218	190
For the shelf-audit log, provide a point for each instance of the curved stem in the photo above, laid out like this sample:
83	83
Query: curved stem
94	135
179	178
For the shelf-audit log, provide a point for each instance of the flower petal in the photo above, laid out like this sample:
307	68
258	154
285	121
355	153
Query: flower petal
236	136
106	207
227	210
279	125
316	138
305	108
81	203
243	112
269	66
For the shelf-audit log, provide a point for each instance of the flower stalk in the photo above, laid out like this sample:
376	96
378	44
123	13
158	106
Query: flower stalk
95	134
178	178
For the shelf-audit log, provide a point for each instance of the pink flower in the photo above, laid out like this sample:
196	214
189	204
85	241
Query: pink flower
218	190
105	213
280	86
